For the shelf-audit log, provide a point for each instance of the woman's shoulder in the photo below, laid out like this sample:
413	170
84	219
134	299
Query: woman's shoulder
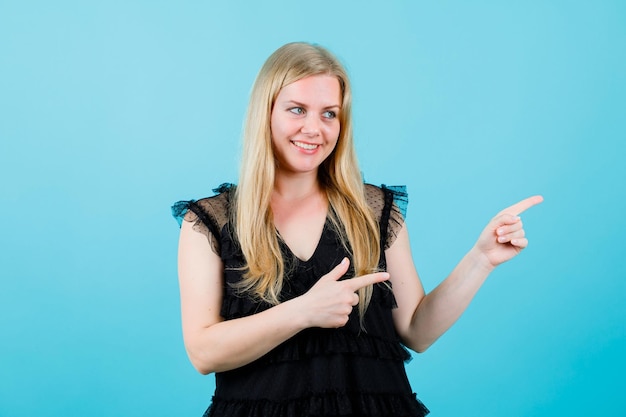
221	194
220	201
208	215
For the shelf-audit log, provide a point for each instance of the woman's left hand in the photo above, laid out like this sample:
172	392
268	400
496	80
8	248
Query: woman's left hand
504	236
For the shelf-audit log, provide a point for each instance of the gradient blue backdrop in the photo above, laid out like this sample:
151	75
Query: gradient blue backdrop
110	111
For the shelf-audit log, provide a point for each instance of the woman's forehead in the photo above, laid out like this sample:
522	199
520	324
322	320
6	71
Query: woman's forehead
320	88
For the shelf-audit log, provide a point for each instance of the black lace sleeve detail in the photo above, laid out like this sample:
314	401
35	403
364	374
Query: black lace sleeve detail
394	213
389	204
208	215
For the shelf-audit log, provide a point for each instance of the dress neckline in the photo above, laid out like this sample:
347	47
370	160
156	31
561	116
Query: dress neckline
315	251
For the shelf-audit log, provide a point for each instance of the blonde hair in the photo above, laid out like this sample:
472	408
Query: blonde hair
339	176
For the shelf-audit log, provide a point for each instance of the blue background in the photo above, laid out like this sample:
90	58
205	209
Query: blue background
111	111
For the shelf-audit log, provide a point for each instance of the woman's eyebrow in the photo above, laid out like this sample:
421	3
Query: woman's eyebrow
298	104
294	103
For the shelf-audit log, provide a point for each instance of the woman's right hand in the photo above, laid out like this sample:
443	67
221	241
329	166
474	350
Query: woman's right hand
330	301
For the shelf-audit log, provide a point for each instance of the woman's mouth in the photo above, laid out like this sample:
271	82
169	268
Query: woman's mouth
306	146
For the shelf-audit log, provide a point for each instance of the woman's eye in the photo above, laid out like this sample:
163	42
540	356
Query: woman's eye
297	110
329	114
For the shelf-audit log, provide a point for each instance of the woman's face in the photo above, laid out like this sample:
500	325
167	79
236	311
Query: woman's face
305	123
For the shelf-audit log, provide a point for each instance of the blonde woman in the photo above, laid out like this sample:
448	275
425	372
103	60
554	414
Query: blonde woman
297	285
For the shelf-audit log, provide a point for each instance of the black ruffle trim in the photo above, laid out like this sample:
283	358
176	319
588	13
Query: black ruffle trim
329	404
224	187
321	342
400	196
179	209
393	214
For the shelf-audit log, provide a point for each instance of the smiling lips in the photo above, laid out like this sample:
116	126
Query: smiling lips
306	146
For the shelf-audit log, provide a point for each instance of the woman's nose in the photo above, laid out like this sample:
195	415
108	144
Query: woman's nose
311	126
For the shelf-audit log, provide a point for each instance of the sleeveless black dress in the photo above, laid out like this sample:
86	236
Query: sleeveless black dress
350	371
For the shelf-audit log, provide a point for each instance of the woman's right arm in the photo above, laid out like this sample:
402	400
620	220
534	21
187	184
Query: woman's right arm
214	344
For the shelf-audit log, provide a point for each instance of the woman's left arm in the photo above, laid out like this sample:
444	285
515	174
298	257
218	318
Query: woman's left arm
421	319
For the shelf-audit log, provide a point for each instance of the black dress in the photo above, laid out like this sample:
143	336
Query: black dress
350	371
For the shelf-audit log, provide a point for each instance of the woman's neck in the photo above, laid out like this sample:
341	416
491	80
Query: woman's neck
296	187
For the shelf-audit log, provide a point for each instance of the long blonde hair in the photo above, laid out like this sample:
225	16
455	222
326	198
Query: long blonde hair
339	176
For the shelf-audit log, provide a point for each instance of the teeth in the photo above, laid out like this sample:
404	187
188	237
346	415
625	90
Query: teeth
305	146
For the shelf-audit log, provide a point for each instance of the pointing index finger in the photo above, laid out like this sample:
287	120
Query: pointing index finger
523	205
365	280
